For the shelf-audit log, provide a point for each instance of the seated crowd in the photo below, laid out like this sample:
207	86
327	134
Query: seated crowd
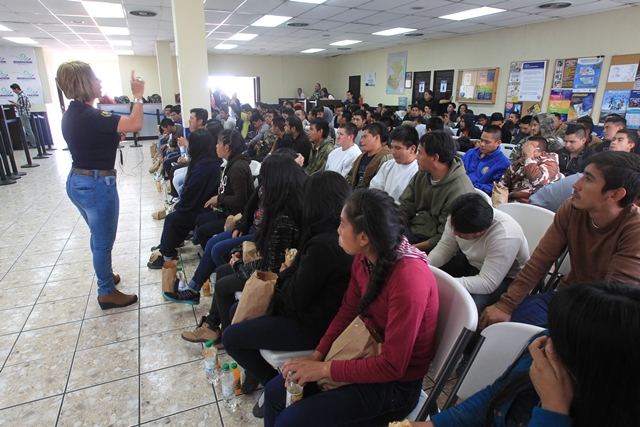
370	199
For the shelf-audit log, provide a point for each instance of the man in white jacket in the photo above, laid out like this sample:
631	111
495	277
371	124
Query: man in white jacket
484	248
393	177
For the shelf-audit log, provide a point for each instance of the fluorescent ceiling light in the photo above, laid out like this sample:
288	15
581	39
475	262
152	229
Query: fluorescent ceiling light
223	46
114	31
270	21
346	42
120	42
97	9
243	36
309	1
394	31
3	28
124	52
312	50
21	40
473	13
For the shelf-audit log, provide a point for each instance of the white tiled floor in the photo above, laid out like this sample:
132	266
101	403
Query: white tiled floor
64	361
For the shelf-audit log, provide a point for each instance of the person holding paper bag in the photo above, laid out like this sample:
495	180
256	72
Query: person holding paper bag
394	291
281	200
308	293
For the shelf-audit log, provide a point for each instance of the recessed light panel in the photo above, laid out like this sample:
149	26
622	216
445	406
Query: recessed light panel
394	31
312	50
21	40
97	9
224	46
120	42
346	42
270	21
473	13
309	1
243	37
114	31
3	28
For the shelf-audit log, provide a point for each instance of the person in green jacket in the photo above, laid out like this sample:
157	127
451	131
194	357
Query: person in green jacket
440	178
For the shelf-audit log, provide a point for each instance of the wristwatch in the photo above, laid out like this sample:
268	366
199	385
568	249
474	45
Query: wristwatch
137	101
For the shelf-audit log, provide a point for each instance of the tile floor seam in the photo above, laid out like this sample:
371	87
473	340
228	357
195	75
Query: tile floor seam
66	384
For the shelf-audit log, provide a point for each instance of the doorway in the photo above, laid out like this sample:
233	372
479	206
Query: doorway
421	83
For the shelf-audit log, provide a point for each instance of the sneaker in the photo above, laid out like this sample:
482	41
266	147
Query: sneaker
202	333
250	383
183	297
258	411
156	264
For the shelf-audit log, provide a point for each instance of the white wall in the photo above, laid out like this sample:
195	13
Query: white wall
611	33
280	76
145	67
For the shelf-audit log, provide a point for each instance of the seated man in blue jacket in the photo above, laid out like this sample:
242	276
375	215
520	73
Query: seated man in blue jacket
487	163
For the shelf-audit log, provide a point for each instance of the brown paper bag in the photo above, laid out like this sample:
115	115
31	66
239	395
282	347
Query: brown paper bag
357	341
249	252
230	222
169	270
499	195
257	297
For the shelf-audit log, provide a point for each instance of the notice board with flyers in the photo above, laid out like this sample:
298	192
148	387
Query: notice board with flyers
622	91
478	85
526	87
573	90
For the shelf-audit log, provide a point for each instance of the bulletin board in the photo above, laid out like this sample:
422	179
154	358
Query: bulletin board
526	86
622	91
478	85
573	90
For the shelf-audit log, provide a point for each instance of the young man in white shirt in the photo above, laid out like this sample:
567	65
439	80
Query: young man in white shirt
484	248
341	159
229	121
393	177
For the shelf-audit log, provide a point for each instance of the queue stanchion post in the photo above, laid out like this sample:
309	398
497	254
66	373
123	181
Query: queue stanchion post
47	131
39	134
6	139
4	179
40	155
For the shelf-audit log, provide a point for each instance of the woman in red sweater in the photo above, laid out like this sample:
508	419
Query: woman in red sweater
394	291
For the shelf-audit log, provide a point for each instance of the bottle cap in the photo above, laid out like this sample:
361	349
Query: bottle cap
225	367
234	365
209	343
292	373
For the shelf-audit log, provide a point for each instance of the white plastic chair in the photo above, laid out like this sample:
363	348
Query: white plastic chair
507	149
497	349
534	220
457	321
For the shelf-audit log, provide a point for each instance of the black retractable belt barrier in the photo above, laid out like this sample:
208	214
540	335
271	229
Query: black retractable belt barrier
46	130
39	134
4	179
42	154
7	142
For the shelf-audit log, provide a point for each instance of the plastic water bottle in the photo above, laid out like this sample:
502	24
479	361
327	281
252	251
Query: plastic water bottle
237	383
182	282
228	388
210	356
294	390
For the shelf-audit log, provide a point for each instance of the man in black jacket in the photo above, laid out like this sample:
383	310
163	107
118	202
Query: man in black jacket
574	155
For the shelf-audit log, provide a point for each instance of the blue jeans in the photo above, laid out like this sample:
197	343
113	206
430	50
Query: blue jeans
216	253
364	405
96	197
534	310
244	340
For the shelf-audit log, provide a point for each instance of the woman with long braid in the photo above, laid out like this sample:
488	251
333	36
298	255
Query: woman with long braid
395	293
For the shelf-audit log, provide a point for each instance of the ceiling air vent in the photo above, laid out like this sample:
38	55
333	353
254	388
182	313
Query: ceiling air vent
555	5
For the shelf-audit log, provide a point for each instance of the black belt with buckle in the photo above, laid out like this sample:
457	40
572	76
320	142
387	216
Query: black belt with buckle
92	172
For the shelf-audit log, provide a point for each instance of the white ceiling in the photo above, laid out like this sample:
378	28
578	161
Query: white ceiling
51	22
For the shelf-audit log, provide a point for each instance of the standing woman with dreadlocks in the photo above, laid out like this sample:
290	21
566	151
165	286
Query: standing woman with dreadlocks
394	291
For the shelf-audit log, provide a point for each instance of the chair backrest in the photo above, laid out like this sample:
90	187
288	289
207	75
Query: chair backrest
507	148
503	343
534	220
484	195
457	312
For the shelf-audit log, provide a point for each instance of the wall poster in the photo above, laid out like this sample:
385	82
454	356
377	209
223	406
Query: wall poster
622	91
526	85
396	69
18	65
575	81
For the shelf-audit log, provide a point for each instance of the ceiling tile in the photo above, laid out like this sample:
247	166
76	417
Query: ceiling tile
323	12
